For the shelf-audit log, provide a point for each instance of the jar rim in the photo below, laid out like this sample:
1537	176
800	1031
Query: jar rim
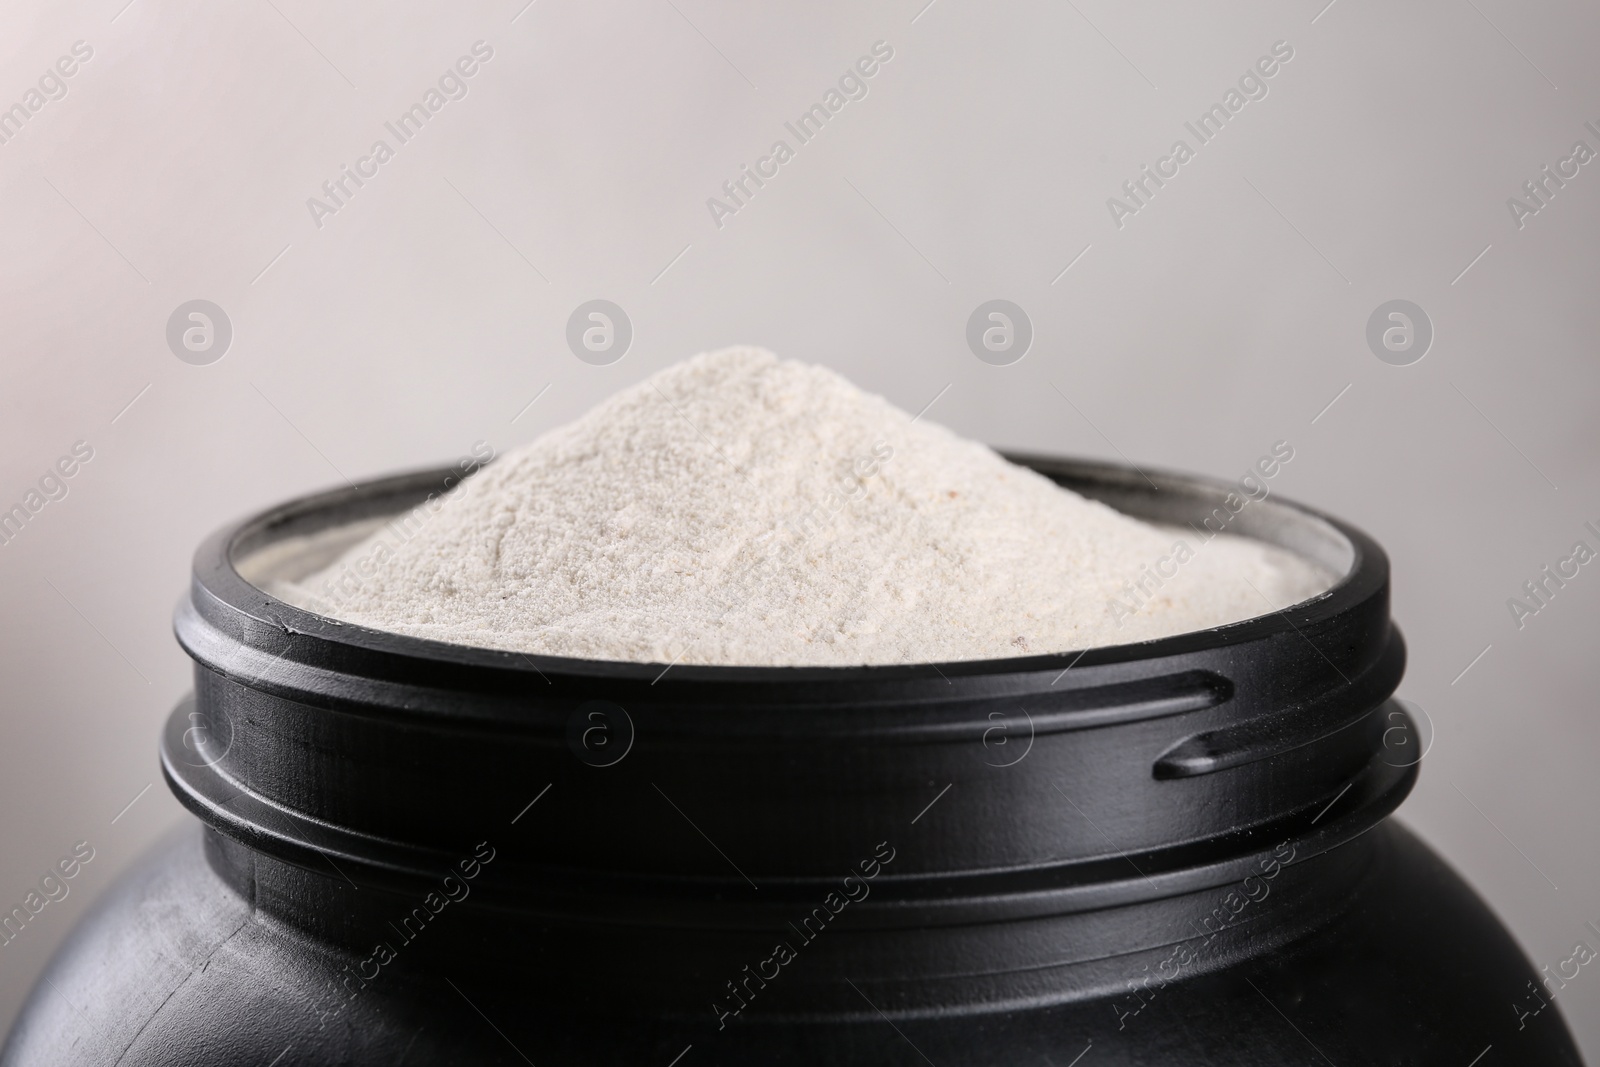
223	561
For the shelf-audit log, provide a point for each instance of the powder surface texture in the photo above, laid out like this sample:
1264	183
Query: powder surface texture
740	509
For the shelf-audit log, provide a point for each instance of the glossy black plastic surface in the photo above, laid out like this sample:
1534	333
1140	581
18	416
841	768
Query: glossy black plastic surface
1169	852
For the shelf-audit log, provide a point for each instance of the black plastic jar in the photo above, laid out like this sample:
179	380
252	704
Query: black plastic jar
1174	852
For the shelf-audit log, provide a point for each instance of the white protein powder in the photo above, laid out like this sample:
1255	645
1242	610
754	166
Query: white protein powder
740	509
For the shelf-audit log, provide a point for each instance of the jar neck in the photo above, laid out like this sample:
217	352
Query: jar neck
920	805
791	957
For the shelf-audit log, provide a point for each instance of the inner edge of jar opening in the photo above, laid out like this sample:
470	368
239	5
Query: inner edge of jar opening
309	533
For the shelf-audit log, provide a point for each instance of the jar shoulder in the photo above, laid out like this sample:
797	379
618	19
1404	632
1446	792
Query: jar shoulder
173	967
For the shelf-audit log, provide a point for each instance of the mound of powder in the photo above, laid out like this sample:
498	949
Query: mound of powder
740	509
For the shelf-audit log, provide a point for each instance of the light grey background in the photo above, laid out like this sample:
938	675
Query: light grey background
1226	315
